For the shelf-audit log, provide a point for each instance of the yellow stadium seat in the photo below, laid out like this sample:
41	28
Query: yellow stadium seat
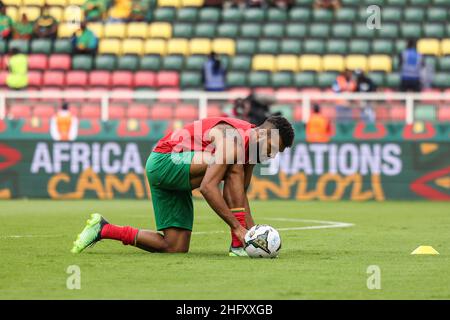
110	46
380	62
132	46
66	30
56	12
224	46
32	12
17	3
263	62
178	46
169	3
445	47
192	3
137	30
12	12
287	62
160	30
76	2
61	3
429	47
310	62
115	30
73	13
356	61
97	28
200	46
333	62
155	46
38	3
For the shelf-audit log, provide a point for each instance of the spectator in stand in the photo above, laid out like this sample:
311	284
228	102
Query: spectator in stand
5	23
256	3
84	40
365	84
234	4
327	4
64	125
120	11
94	10
213	74
18	70
138	12
344	83
318	128
281	4
46	25
411	63
23	29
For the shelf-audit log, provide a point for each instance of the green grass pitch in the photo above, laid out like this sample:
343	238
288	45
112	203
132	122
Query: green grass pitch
328	263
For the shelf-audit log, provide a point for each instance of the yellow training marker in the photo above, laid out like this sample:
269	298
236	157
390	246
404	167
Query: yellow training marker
425	250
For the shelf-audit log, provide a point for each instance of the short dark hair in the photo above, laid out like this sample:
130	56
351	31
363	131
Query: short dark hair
411	43
284	127
316	108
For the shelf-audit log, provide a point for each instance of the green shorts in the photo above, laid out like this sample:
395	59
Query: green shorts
168	176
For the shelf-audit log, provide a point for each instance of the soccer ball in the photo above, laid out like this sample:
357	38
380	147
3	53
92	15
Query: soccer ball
262	241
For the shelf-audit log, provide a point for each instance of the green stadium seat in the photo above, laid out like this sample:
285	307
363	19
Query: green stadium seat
268	46
359	46
319	30
227	30
425	113
337	46
254	15
62	46
273	30
173	62
236	79
361	31
232	15
246	46
306	3
187	15
326	79
392	14
251	30
277	15
401	3
314	46
393	80
400	45
41	46
447	30
377	78
322	15
105	62
388	30
3	47
209	15
342	30
444	63
347	14
296	30
191	79
441	2
128	62
434	30
281	79
435	14
289	46
205	30
420	2
183	30
375	2
259	79
382	46
300	14
22	45
346	3
414	14
150	62
441	80
195	62
286	110
363	15
82	62
164	14
411	30
241	63
305	79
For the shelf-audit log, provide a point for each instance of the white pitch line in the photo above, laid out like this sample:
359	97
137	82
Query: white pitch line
30	236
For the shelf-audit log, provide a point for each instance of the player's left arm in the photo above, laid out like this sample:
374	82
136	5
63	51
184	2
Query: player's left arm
248	173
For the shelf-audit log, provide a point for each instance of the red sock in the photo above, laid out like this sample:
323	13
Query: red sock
239	213
125	234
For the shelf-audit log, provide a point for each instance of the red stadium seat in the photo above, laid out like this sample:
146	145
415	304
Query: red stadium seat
34	78
186	112
444	113
116	111
298	112
161	112
53	78
3	75
90	112
19	111
100	79
74	109
138	111
122	79
59	62
398	113
37	62
144	79
43	111
168	79
381	113
122	96
329	112
215	110
76	78
169	95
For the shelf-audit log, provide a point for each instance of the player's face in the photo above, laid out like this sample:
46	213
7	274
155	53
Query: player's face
271	143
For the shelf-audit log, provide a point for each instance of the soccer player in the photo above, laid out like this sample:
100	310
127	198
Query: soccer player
200	155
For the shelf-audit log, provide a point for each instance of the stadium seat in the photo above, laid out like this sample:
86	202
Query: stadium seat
254	15
392	14
333	63
441	80
155	46
314	46
289	46
116	111
59	62
414	14
53	78
115	30
150	62
259	79
138	111
144	79
186	112
160	30
389	30
445	46
169	95
164	14
110	46
277	15
19	111
133	46
66	30
99	79
411	30
301	14
43	46
359	46
224	46
200	46
393	80
187	14
287	63
380	63
214	111
245	46
178	46
273	30
32	12
264	63
190	79
76	78
326	79
204	30
425	113
169	3
353	62
167	79
34	78
334	46
43	111
82	62
209	15
268	46
161	112
281	79
122	79
232	15
37	62
195	62
105	62
429	47
342	30
444	113
227	30
397	112
236	79
62	46
98	28
137	30
310	63
173	62
434	30
90	111
361	31
128	62
383	46
296	30
319	30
